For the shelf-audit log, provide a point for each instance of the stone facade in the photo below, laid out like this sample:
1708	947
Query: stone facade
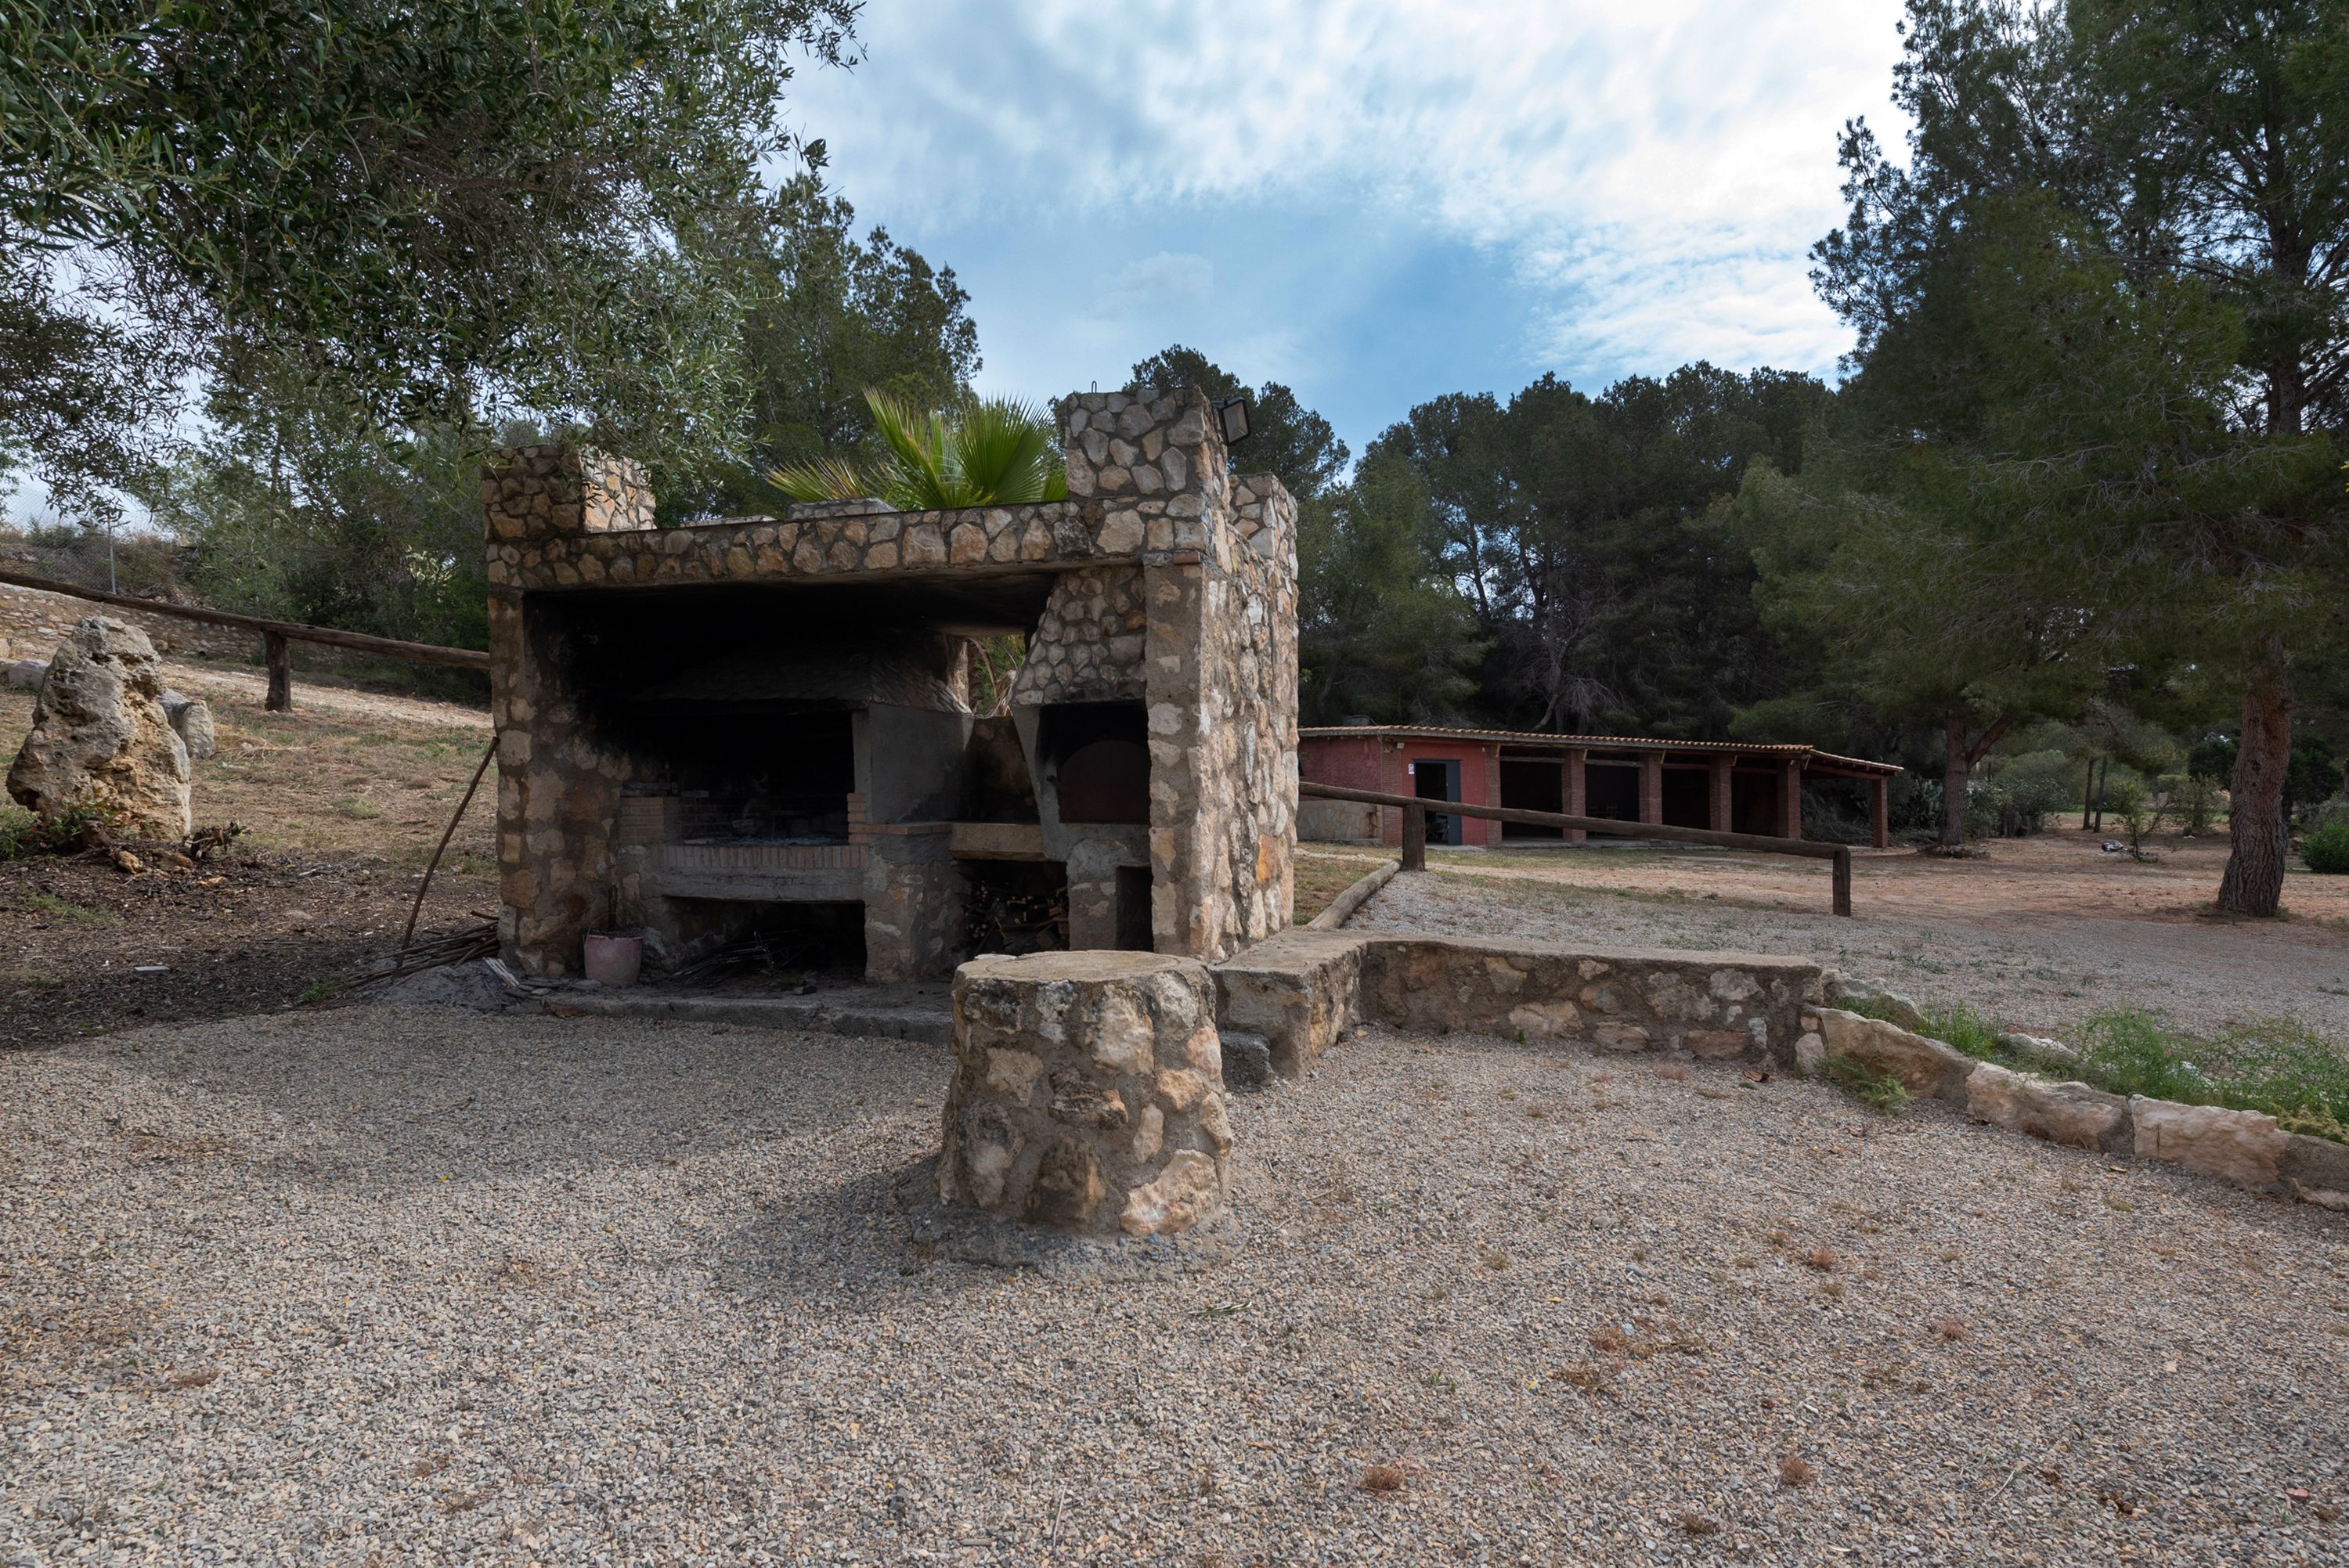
1089	646
1088	1093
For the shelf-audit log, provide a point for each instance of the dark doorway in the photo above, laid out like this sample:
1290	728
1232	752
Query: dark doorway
1527	785
1134	908
1438	778
1612	789
1687	797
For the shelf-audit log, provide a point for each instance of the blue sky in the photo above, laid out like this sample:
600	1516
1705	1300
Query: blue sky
1373	200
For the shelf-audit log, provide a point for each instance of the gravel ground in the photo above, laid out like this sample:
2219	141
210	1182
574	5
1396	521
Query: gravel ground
2035	972
399	1285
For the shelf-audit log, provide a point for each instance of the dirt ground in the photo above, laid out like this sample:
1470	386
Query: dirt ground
341	801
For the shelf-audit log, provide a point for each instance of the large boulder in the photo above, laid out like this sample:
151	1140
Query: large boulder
100	735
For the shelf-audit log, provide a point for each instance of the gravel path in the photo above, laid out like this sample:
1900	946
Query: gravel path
2034	972
394	1286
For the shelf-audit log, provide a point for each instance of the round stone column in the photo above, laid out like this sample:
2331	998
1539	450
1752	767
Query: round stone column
1088	1093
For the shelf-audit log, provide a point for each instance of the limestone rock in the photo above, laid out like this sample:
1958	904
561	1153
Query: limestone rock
1884	1004
2317	1169
2039	1048
1924	1066
1810	1052
1546	1020
99	734
2240	1146
26	674
2068	1113
1188	1191
191	717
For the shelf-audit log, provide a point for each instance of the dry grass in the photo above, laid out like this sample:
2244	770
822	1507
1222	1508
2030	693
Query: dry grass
322	780
1321	878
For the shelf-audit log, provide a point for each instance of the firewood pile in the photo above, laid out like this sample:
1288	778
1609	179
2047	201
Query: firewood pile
1016	920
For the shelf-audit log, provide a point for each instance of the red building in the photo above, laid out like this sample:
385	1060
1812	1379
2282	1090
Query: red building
1722	786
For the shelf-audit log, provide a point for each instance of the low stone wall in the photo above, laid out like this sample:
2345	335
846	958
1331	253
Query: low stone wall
32	624
1088	1093
2245	1147
1300	990
1284	1002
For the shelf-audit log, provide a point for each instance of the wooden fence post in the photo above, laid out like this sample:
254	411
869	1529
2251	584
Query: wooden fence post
278	654
1414	837
1843	882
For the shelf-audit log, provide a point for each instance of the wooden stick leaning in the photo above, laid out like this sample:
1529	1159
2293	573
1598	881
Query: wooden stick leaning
448	834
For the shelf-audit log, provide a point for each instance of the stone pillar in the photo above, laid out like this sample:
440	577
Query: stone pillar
562	489
1880	801
1790	802
1651	786
1573	790
1219	657
1722	816
1088	1093
913	898
559	790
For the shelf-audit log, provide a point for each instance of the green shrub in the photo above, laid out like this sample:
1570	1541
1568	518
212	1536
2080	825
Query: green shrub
2127	1051
2282	1067
19	832
2326	847
1881	1091
1964	1029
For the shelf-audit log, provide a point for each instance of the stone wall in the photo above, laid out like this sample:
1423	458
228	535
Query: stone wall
1300	991
1088	1093
1219	659
32	624
913	902
1088	647
530	550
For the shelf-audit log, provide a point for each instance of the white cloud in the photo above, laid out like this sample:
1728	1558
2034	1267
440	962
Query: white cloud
1655	171
1169	282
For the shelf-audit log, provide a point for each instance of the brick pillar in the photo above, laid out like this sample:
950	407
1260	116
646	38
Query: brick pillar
1721	817
1651	788
1790	802
1572	791
1880	810
1492	797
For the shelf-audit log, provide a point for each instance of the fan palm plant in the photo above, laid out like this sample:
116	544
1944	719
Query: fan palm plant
984	451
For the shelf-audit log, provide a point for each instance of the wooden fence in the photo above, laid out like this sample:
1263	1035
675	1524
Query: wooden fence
276	637
1415	811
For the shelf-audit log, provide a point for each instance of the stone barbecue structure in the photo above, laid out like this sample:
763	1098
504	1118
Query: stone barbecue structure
766	724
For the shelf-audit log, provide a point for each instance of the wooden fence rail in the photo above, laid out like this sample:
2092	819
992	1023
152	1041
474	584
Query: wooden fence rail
275	635
1416	808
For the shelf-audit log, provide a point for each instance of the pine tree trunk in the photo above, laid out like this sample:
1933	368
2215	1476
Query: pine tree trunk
1954	775
2254	880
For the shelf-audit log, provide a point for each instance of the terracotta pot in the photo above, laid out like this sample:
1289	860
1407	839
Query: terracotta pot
613	959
